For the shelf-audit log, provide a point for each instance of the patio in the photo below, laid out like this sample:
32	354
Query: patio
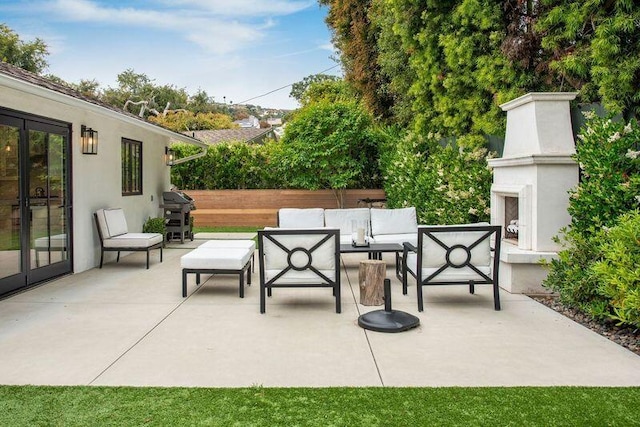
124	325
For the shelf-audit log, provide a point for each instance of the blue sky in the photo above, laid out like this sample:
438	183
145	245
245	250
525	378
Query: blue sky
237	49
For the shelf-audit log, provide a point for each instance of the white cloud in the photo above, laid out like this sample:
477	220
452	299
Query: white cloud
212	30
245	7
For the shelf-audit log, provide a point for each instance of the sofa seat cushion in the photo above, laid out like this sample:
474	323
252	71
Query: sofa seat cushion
449	274
239	244
397	238
133	240
300	277
58	241
300	218
393	221
216	258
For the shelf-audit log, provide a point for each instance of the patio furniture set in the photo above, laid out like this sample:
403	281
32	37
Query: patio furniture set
304	250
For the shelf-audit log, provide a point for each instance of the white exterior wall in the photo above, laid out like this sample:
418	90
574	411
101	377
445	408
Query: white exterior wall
96	179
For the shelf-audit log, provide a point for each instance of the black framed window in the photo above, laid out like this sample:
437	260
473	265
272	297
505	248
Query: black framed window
131	167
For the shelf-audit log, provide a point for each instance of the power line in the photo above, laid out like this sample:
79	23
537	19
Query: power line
283	87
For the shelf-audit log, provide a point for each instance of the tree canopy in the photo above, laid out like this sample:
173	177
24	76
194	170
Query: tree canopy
30	56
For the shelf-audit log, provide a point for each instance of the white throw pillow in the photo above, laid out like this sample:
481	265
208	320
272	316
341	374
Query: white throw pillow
300	218
394	221
341	218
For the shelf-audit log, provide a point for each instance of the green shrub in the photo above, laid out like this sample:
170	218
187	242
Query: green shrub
154	225
592	272
445	184
618	272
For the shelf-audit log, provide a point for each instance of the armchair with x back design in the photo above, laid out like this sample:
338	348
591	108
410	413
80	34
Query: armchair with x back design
299	258
455	254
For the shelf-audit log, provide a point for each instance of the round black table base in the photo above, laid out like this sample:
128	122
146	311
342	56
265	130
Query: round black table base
388	321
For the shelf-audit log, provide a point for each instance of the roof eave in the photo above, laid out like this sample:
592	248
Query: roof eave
33	89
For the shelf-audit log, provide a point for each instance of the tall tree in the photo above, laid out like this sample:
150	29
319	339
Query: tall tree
595	48
299	89
27	55
139	89
356	37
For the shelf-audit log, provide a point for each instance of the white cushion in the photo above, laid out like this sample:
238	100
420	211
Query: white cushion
216	258
322	258
133	240
300	277
448	274
341	218
56	241
397	238
433	255
300	218
115	221
241	244
393	221
102	224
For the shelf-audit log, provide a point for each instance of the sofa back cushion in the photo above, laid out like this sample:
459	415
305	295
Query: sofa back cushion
341	218
300	218
393	221
112	222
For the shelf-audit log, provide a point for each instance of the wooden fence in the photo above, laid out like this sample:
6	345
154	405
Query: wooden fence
259	208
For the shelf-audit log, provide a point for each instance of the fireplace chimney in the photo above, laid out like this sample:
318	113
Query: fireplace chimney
537	168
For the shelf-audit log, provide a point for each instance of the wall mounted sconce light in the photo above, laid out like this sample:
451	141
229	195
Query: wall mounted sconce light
89	139
169	156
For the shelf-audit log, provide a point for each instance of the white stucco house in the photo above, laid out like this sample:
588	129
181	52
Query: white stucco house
49	186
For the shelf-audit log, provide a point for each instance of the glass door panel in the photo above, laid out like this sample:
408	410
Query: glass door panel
10	212
34	193
49	243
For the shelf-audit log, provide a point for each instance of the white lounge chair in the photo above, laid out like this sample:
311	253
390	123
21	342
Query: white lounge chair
115	237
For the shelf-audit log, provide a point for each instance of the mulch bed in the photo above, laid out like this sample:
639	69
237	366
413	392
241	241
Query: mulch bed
627	337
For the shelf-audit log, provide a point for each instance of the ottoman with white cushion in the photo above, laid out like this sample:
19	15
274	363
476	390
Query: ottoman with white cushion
223	260
244	244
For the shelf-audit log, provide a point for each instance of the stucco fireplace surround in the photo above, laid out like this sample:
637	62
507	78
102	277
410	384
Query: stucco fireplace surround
537	170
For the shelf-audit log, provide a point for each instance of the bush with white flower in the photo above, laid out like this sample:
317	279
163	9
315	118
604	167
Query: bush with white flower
447	185
586	274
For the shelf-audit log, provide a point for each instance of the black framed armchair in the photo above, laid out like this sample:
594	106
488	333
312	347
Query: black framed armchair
454	254
299	258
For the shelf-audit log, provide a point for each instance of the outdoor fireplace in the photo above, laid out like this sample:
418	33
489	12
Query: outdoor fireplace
511	222
529	195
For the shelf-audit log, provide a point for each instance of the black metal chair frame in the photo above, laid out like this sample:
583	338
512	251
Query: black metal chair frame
198	271
124	249
268	286
431	233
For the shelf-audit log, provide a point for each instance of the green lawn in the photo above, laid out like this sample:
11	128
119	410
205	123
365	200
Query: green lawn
258	406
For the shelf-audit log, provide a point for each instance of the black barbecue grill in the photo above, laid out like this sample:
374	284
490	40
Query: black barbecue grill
177	208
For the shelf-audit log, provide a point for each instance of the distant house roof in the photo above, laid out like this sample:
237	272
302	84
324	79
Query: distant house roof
232	135
14	73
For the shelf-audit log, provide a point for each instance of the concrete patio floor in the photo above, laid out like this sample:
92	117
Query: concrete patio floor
124	325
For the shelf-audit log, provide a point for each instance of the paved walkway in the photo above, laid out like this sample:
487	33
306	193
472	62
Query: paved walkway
124	325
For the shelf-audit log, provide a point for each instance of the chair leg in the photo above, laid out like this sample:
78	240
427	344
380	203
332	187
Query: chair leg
336	291
197	278
101	256
420	301
496	297
160	253
241	284
263	301
472	288
249	276
184	284
147	259
118	257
